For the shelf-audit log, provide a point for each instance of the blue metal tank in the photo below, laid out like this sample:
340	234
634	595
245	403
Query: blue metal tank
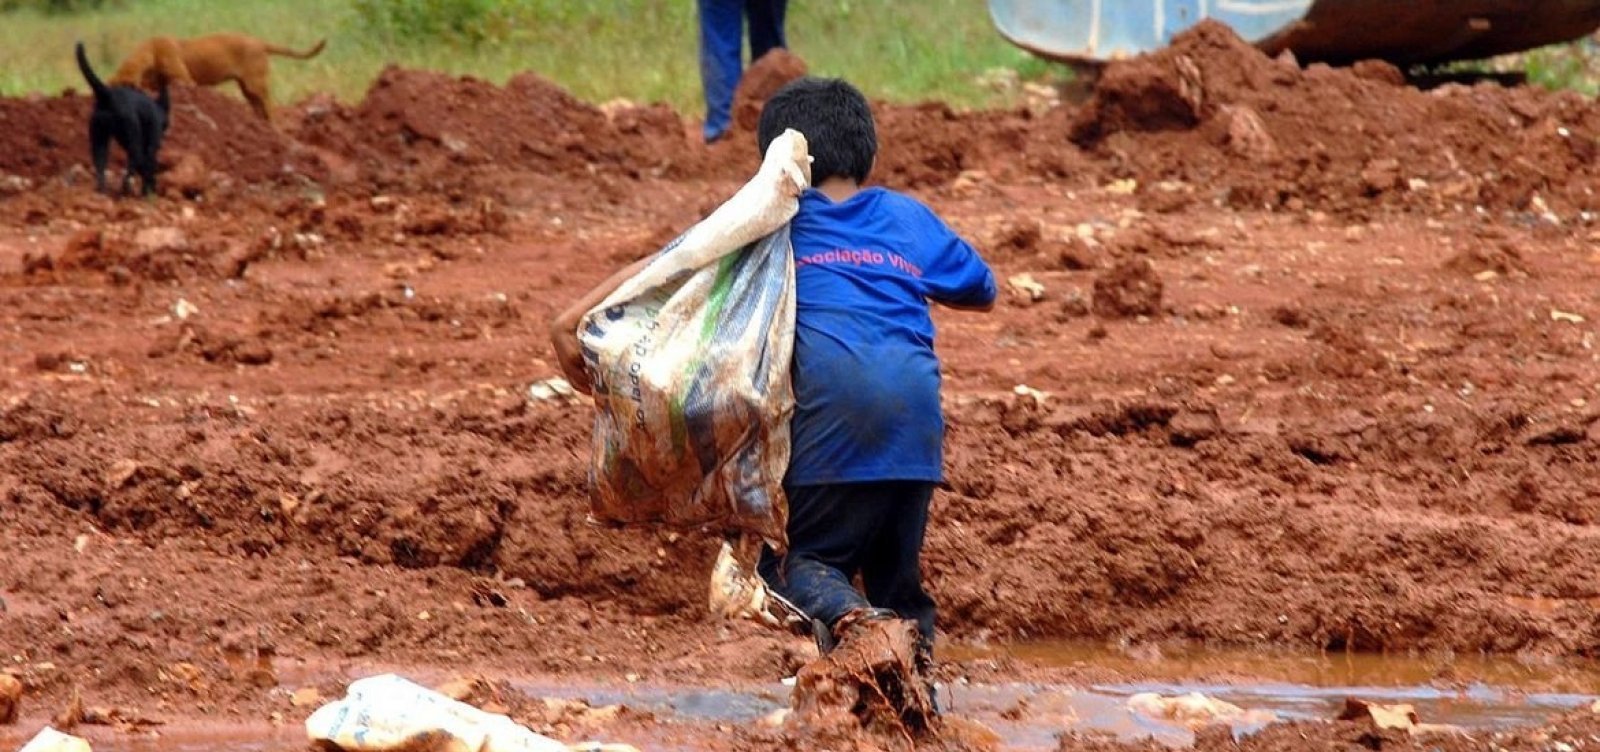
1401	31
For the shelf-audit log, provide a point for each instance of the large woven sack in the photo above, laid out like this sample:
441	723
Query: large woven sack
690	363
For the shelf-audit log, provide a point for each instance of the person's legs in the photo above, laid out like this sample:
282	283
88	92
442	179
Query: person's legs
765	18
891	570
829	529
721	41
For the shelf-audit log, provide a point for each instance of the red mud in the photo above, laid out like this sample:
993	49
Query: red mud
1263	133
1362	415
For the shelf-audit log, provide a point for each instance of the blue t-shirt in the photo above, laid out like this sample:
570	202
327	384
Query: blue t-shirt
866	379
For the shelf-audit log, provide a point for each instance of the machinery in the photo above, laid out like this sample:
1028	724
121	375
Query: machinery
1404	32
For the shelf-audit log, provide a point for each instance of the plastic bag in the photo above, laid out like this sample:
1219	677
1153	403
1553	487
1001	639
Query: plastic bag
51	740
390	713
690	362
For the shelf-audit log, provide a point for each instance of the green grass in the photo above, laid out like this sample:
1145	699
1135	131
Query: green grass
1572	66
644	50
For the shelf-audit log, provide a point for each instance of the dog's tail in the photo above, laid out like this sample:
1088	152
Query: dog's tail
273	49
101	93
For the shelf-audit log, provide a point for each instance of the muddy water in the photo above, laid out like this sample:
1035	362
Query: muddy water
187	737
1472	692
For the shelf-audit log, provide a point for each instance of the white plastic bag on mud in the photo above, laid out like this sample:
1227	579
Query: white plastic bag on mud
51	740
389	713
690	361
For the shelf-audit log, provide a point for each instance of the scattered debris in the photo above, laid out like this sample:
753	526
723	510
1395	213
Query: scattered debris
1195	710
183	309
391	714
51	740
1026	288
388	712
1124	187
1571	318
1401	717
158	239
552	389
1029	393
13	184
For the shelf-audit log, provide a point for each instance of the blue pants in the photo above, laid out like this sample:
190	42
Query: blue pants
838	531
721	41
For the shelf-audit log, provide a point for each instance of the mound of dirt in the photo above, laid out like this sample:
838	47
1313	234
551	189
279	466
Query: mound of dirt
411	120
1213	110
763	79
225	135
45	137
930	144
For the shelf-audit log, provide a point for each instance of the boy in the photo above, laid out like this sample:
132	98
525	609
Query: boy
867	427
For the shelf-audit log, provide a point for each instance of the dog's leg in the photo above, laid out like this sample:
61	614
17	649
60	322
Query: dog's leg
148	149
132	140
253	84
99	150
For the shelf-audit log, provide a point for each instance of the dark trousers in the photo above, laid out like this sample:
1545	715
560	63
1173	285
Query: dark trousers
721	42
838	531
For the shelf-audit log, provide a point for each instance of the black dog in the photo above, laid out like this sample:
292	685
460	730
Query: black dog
130	116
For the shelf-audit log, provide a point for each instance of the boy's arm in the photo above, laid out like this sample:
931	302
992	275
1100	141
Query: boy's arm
956	276
977	307
564	329
959	279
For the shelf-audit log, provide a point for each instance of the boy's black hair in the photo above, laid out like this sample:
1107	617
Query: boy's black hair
836	121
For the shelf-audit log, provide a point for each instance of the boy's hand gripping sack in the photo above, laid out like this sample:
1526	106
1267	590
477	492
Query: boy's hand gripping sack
690	361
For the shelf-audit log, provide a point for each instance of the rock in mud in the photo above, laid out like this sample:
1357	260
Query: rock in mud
189	176
10	698
1014	240
1246	136
1130	288
158	239
1381	71
1190	427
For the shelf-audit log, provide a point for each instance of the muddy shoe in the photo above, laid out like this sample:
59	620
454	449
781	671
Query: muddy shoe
857	620
829	638
870	674
924	667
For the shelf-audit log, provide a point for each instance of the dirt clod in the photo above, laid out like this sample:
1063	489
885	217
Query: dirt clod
1129	288
10	698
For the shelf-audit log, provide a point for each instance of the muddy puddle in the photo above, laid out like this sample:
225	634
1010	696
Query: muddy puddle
1473	692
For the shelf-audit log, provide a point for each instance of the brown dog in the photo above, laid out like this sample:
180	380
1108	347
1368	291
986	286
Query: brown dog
208	61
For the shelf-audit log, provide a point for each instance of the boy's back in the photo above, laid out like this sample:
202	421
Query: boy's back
865	375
